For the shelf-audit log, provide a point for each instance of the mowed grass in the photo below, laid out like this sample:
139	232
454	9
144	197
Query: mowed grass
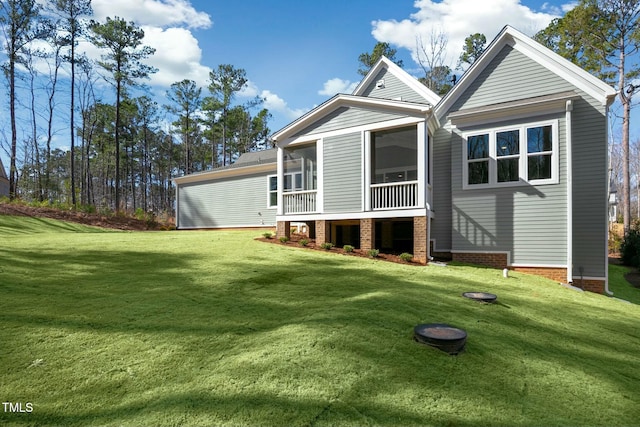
214	328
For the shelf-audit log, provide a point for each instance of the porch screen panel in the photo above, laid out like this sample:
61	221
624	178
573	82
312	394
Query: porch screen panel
394	155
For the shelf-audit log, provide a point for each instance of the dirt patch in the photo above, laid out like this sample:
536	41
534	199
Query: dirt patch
311	245
117	222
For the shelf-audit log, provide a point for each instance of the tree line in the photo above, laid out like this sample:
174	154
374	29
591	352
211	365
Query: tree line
124	147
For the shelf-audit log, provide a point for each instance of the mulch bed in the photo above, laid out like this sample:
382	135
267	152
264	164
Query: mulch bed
633	276
117	222
295	242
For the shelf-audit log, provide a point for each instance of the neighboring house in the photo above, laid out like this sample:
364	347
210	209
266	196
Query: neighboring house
240	195
613	202
4	181
509	169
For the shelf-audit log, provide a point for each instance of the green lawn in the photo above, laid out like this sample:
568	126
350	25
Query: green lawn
214	328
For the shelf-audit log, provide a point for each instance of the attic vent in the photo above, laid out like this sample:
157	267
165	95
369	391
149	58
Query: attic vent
380	84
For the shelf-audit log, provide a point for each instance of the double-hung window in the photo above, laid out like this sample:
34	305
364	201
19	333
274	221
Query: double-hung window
272	199
515	155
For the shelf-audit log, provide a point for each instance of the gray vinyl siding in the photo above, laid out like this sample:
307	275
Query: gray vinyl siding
509	77
441	224
228	202
346	117
529	222
590	189
343	173
393	89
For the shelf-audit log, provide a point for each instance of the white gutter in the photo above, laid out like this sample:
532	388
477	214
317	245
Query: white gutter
606	247
569	109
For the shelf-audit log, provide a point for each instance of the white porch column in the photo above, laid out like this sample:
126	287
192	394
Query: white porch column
280	172
422	163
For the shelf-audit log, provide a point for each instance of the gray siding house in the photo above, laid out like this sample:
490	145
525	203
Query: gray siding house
4	182
240	195
509	169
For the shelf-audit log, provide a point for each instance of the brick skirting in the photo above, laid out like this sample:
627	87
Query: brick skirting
591	285
495	260
557	274
498	260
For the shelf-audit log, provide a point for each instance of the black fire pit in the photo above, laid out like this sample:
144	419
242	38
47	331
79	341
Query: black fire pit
481	296
441	336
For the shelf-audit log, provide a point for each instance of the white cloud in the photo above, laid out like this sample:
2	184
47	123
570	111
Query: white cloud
167	27
458	19
336	85
177	56
275	104
158	13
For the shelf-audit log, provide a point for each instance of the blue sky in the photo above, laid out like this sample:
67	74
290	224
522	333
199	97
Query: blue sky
299	53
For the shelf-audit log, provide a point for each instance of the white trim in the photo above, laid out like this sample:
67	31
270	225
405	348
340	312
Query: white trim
269	191
342	100
384	62
522	156
569	145
224	173
388	124
280	173
530	48
513	110
366	170
320	175
421	141
538	266
606	246
217	227
407	213
593	278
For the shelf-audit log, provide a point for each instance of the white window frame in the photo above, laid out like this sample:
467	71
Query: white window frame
270	191
523	156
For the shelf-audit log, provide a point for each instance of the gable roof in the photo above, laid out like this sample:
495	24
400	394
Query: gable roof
263	161
537	52
429	96
342	100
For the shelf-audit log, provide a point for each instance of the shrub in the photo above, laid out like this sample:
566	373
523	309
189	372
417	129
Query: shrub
406	256
327	245
284	239
348	248
630	248
139	214
267	235
373	253
303	242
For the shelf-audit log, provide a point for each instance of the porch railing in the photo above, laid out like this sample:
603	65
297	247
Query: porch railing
300	201
394	195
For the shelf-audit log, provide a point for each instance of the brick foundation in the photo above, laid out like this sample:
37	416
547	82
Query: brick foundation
367	234
590	285
283	229
322	231
420	239
557	274
495	260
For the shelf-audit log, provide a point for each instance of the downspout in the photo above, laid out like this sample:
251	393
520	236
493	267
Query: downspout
569	109
429	257
177	206
606	248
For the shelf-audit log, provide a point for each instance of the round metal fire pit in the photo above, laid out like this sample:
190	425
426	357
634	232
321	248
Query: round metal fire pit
441	336
481	296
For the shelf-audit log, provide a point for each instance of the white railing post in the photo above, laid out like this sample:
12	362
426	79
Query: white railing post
394	195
